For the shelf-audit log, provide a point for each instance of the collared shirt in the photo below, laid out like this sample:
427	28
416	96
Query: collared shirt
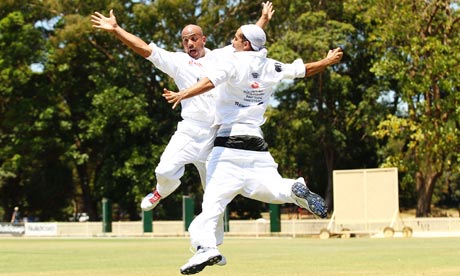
245	83
186	71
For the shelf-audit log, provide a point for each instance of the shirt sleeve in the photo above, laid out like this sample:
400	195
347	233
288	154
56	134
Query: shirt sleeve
222	70
163	60
294	70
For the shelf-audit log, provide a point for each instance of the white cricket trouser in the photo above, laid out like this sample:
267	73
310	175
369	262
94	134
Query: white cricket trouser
230	172
190	144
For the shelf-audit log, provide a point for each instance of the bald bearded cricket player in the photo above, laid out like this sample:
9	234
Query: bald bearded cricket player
193	139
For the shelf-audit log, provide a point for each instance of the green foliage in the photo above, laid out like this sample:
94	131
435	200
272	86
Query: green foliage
421	59
82	116
322	118
31	170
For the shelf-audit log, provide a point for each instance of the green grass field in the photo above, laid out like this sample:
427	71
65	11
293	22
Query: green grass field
245	256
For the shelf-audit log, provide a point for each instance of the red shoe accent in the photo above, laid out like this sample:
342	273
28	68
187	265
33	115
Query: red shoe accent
156	197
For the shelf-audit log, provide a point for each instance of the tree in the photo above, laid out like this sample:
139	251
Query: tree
91	121
82	117
113	102
422	59
33	175
319	124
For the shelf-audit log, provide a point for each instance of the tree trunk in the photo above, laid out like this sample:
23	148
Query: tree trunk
89	206
329	192
425	187
329	159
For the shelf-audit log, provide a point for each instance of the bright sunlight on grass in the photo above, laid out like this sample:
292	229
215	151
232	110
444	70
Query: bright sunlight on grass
245	256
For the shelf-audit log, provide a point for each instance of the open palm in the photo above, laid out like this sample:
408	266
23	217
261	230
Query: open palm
104	23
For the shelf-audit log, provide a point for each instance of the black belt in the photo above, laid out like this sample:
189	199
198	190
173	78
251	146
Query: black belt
243	142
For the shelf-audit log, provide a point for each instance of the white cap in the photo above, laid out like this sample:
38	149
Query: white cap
255	35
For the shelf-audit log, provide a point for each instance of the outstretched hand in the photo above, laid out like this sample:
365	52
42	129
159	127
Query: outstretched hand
335	55
104	23
172	97
267	10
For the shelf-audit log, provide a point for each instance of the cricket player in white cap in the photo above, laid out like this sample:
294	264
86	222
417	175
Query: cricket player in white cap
240	163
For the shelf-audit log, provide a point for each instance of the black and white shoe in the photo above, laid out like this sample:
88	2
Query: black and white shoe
308	200
203	257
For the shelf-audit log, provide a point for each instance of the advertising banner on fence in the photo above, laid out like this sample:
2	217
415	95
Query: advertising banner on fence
41	229
12	229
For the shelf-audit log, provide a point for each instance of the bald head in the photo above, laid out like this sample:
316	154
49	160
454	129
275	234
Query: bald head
191	30
193	41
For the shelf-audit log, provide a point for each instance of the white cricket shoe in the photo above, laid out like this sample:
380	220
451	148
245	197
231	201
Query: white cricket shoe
203	257
150	201
307	199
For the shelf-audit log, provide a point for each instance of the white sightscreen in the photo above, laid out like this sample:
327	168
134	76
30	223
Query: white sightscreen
365	195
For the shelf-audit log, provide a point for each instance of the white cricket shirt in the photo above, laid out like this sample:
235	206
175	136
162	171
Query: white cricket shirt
186	71
245	81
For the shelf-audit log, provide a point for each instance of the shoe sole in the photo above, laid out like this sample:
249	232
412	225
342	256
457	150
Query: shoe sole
222	261
316	204
199	267
145	209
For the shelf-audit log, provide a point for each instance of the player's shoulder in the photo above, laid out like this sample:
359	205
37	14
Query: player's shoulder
161	50
219	57
220	52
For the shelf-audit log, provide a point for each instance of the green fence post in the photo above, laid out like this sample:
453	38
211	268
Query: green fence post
188	211
106	215
147	217
275	218
226	220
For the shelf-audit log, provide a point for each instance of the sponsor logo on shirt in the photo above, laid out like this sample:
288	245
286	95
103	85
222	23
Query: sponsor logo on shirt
255	85
240	104
253	96
255	75
194	62
278	67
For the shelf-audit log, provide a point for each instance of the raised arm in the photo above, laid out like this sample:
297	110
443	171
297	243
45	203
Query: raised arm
204	85
267	13
109	24
333	57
